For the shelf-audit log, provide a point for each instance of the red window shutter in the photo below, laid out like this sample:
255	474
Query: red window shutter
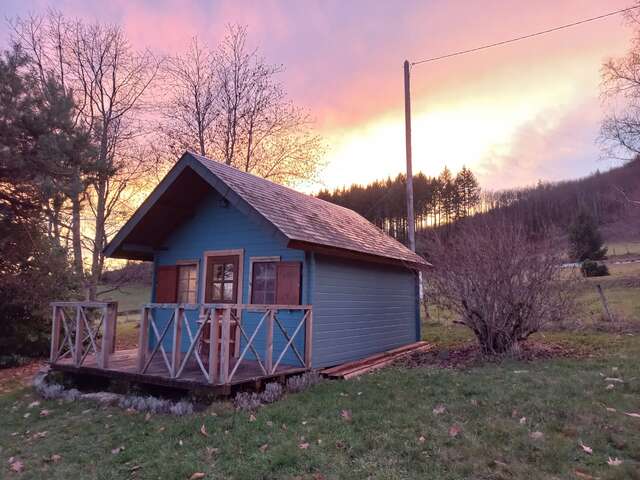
167	284
288	284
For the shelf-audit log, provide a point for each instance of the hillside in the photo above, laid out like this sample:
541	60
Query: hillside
609	196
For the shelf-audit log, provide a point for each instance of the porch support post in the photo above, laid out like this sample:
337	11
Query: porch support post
224	350
176	351
55	335
308	339
214	347
77	353
143	339
268	356
110	313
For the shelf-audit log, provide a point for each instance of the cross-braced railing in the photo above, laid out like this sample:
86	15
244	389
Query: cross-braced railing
218	327
81	329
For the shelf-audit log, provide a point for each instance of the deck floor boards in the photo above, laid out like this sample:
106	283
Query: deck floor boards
123	363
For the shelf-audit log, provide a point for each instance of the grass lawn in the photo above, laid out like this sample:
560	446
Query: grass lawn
393	431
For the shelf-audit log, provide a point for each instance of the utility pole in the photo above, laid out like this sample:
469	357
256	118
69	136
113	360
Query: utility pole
411	229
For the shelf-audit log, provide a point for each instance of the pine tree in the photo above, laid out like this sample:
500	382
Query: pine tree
585	240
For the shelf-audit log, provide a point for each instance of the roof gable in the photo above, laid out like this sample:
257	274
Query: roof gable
304	220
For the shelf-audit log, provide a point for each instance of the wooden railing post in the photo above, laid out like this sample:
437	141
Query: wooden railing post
79	340
143	339
214	347
55	335
308	340
176	351
224	350
110	313
268	355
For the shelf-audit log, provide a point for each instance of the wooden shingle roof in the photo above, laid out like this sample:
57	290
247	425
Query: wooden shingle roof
305	222
310	220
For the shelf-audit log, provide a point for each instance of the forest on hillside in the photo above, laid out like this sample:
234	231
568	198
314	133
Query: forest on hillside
437	200
442	200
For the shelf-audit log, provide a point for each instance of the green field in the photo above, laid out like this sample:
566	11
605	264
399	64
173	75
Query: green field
500	421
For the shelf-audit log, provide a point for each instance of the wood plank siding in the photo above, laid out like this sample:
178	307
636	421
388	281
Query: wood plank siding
360	309
217	225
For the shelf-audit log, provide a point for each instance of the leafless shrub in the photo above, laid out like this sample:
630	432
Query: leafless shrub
272	393
300	383
246	401
501	284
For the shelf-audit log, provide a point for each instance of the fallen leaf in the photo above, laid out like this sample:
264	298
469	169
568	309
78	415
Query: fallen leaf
439	410
264	447
454	430
55	458
34	404
609	409
581	474
303	446
346	415
252	418
197	476
117	450
269	423
536	435
16	465
180	442
421	439
203	430
304	423
611	386
147	417
634	415
40	434
614	462
27	415
135	468
212	451
585	448
523	420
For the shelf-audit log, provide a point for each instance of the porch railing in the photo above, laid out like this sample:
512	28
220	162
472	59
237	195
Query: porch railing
214	325
79	329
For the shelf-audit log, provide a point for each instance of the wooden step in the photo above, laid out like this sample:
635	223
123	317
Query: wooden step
374	362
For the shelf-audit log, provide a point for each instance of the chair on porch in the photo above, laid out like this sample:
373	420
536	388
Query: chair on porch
204	342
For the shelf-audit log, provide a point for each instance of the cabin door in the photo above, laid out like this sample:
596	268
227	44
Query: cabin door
222	286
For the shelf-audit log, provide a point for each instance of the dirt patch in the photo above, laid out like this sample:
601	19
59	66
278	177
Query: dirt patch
469	355
10	378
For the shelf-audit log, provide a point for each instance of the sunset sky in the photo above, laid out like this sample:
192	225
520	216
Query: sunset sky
515	114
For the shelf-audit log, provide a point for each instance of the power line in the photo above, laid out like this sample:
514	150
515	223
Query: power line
524	37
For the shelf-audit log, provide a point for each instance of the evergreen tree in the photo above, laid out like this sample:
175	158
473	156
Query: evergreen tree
585	241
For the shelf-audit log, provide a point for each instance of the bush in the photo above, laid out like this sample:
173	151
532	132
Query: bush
300	383
272	393
247	401
33	273
590	268
501	284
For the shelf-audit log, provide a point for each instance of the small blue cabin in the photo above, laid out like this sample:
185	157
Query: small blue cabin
222	238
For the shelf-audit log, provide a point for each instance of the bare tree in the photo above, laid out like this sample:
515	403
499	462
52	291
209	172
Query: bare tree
620	130
108	79
502	286
227	104
191	90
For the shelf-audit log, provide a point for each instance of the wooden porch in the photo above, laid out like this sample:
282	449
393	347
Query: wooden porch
187	346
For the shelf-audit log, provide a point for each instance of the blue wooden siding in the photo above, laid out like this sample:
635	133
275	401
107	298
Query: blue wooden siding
360	309
216	225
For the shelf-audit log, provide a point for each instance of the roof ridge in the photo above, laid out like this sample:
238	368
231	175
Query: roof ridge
306	195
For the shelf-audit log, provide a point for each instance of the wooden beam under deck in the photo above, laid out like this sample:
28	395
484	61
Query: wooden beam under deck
123	365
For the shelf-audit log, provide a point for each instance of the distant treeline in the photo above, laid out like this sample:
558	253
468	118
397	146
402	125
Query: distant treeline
441	200
437	200
606	196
